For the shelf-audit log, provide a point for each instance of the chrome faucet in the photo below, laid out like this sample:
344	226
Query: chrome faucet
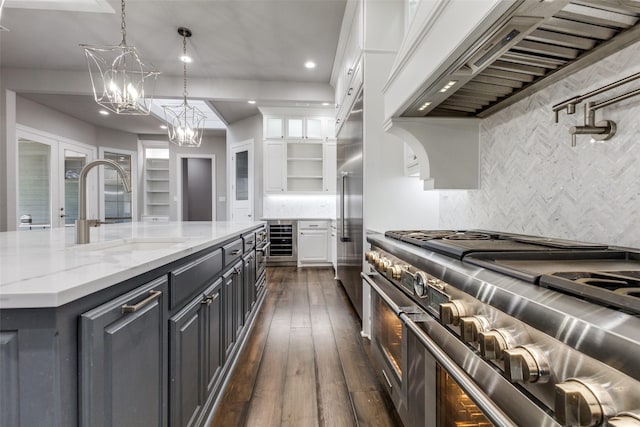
82	223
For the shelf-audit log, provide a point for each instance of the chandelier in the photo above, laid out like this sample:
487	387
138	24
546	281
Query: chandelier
185	124
119	78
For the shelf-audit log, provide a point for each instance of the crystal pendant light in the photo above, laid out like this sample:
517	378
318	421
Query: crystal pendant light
121	82
185	124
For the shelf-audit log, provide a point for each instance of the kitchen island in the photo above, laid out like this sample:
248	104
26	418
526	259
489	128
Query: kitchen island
139	327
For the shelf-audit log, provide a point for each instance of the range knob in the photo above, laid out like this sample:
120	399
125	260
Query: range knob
451	312
372	256
494	342
420	280
394	271
526	365
625	419
471	326
382	264
576	404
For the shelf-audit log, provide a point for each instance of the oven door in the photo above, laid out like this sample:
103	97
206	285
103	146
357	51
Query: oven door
388	343
440	382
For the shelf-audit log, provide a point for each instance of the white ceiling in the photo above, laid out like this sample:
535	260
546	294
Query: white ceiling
241	40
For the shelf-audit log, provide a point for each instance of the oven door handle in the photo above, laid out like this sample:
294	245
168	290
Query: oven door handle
394	307
484	402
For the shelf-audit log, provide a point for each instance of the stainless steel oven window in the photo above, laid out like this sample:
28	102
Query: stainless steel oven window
387	329
454	407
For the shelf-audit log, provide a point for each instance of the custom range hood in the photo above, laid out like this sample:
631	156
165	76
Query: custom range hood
534	44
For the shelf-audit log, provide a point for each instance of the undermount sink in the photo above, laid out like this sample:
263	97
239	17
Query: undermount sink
132	244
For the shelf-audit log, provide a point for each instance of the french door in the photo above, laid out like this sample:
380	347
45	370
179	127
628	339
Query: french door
48	180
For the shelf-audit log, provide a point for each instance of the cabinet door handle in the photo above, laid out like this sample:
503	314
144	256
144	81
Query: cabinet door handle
209	299
153	295
235	252
350	91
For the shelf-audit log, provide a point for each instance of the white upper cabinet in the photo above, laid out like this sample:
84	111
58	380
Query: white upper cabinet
330	167
274	127
306	128
314	128
347	73
275	165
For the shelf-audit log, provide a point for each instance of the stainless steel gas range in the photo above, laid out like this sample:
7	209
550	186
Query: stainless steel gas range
480	328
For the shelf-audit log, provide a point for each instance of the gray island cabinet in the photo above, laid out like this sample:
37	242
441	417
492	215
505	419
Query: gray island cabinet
152	350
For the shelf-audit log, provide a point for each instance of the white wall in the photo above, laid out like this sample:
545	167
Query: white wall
533	181
45	119
391	199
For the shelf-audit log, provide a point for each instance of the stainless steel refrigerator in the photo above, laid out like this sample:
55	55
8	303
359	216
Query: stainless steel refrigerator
349	204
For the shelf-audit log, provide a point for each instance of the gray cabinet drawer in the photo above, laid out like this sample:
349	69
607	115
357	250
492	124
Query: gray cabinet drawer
249	241
232	251
190	278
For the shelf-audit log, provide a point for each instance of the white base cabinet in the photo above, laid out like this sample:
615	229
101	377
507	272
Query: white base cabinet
313	243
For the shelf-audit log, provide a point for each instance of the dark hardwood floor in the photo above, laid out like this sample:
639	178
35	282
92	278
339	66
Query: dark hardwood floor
305	363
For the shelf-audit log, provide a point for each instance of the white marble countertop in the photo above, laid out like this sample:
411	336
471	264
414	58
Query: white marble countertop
45	268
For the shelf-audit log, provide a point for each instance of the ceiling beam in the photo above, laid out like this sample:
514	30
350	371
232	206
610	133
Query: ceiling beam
78	83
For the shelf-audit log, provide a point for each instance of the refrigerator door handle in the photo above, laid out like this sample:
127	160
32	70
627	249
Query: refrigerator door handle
344	237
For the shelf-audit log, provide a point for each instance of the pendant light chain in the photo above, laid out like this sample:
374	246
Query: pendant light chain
184	50
123	25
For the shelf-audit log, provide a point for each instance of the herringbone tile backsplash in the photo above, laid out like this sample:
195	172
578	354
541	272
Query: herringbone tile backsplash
532	181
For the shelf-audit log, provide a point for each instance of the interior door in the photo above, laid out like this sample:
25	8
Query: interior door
198	189
72	158
242	181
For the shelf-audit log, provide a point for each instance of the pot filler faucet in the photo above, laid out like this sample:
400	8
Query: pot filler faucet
82	223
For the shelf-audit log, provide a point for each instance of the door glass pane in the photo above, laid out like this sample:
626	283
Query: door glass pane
242	175
117	201
73	164
34	186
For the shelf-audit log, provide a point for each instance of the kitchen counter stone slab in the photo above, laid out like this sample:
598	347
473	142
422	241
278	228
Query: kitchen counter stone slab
46	268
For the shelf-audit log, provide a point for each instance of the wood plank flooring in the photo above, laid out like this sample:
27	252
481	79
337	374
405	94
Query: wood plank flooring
305	363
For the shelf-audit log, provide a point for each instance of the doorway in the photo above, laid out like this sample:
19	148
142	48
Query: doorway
196	188
242	181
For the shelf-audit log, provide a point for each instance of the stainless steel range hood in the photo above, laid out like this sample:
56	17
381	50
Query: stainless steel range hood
534	45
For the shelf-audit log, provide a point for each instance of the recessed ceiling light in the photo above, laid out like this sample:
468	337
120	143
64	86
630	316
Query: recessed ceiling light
310	64
251	101
185	58
163	127
104	112
325	103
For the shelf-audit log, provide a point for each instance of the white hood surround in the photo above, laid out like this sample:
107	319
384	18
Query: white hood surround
532	181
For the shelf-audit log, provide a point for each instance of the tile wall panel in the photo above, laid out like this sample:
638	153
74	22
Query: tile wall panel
533	181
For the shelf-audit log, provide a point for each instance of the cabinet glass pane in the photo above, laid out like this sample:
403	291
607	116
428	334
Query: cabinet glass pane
274	128
73	164
34	195
314	128
242	175
117	201
294	128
